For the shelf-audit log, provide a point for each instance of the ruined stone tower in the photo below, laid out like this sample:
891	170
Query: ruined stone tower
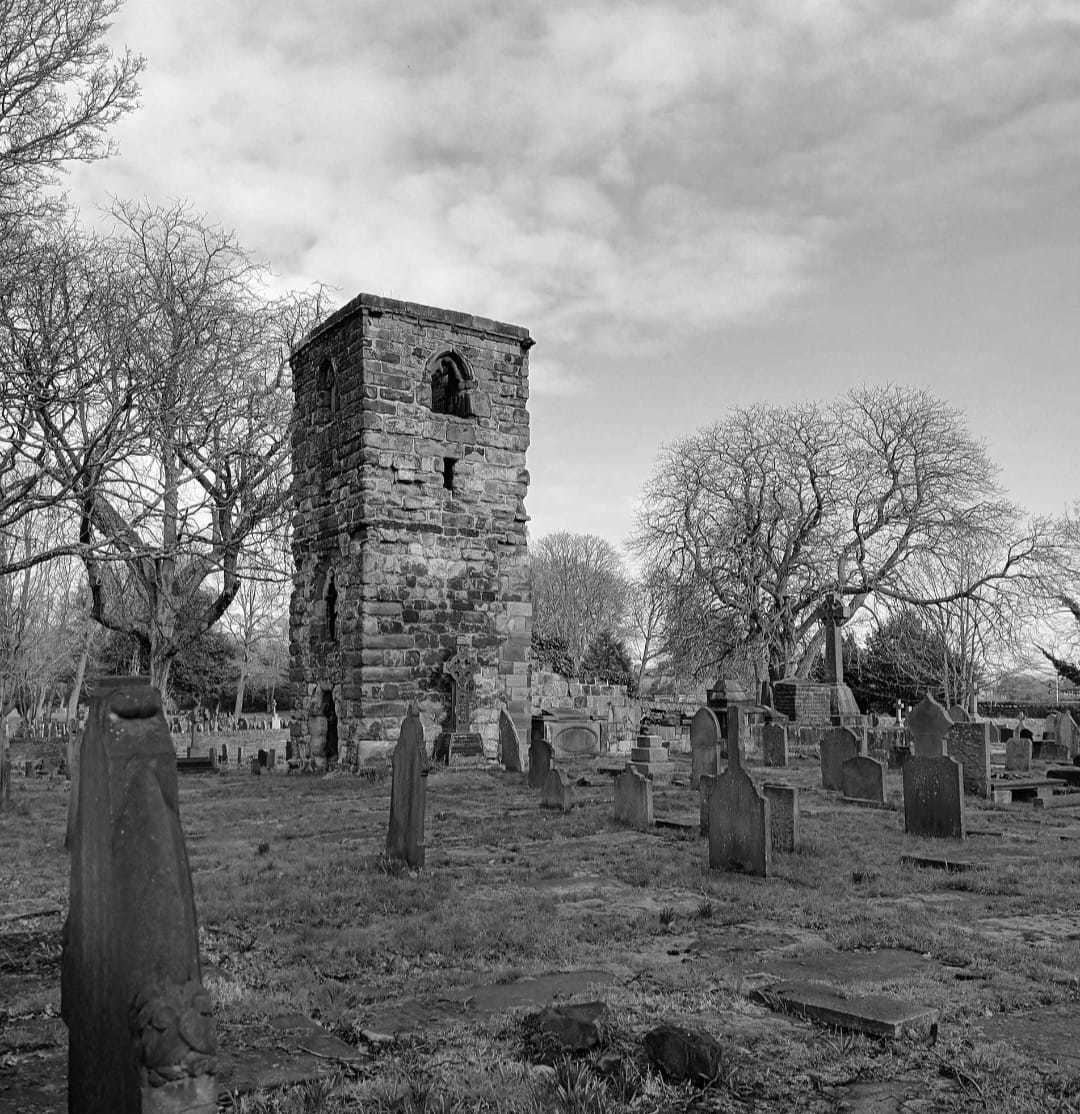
409	526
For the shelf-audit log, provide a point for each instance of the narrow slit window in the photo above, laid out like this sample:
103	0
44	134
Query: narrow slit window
331	610
448	472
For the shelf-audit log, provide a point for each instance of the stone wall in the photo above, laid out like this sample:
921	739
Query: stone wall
409	525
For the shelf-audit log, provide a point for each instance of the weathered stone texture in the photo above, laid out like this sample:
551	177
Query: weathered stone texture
409	525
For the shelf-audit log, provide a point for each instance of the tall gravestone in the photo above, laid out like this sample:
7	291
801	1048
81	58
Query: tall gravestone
704	745
934	797
705	789
837	745
509	744
969	744
408	793
541	760
774	745
141	1033
739	833
1018	755
862	778
633	799
928	726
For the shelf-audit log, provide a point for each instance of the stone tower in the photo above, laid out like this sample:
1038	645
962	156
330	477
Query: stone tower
409	527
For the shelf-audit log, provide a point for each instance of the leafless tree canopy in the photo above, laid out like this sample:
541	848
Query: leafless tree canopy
60	90
759	515
579	589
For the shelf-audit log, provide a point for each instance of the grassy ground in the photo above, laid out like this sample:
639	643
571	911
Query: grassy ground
299	912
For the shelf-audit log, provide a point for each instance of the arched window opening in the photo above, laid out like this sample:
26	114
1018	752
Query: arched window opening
452	386
326	388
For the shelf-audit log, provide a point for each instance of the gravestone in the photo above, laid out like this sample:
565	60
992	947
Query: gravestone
704	745
5	780
705	789
557	793
633	799
863	779
649	756
837	745
1018	755
263	758
509	744
461	746
256	766
959	714
541	758
140	1026
928	725
774	748
933	797
969	744
408	793
783	817
1067	733
271	759
739	834
833	615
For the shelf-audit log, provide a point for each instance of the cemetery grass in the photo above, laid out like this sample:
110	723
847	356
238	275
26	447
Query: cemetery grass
300	913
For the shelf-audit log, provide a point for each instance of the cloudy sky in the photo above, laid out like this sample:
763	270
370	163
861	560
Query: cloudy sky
691	204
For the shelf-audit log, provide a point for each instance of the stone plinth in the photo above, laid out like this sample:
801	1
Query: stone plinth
649	756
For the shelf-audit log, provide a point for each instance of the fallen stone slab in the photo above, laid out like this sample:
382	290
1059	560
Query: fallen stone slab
844	968
863	803
938	862
1048	1033
875	1014
572	1028
678	823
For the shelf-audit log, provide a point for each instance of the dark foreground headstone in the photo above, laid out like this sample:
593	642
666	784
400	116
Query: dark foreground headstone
774	745
683	1055
933	797
704	745
140	1029
408	793
783	817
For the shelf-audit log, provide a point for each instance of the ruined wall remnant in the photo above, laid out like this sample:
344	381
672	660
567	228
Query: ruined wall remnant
409	526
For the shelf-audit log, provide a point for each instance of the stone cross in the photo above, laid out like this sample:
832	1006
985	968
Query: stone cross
461	669
834	615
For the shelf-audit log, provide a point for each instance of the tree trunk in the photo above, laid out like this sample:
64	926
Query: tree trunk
80	676
238	707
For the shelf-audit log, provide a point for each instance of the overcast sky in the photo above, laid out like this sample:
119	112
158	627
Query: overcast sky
691	205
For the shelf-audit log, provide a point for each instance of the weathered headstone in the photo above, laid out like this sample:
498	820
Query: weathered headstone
928	725
959	714
739	835
408	793
704	744
838	744
1018	755
969	744
633	799
541	758
557	793
256	765
774	745
1067	734
140	1027
5	780
863	779
783	817
933	797
509	744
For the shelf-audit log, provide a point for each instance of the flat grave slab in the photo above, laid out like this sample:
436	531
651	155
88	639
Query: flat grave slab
845	968
1070	774
1048	1033
476	1001
938	862
876	1014
1066	798
688	822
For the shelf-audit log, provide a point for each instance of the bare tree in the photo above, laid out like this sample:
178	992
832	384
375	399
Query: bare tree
192	384
61	88
579	589
762	513
254	620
